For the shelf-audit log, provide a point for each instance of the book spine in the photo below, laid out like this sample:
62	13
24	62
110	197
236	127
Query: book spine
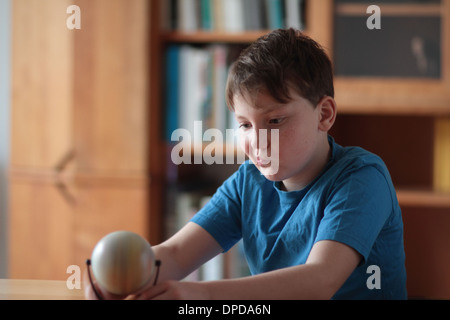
218	15
274	14
293	14
254	17
219	80
233	14
206	13
188	15
172	90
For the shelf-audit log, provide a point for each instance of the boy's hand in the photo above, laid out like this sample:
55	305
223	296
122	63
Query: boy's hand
89	293
169	290
175	290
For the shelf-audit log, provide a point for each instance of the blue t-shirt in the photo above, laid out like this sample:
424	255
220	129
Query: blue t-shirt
352	201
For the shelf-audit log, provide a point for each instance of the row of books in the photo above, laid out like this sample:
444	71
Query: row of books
229	265
232	15
195	80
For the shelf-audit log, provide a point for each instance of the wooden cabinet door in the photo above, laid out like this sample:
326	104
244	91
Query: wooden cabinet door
111	120
40	230
105	206
41	75
111	88
79	131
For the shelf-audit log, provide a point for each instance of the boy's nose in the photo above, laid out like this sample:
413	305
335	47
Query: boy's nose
259	140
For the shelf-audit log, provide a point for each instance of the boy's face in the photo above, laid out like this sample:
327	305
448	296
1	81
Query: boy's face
295	147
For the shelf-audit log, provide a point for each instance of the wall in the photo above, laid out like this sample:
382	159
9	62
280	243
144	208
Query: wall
5	8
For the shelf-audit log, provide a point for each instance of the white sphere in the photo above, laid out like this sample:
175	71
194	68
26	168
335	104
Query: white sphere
123	262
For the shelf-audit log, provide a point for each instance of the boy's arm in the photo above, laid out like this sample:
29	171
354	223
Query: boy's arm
185	252
329	264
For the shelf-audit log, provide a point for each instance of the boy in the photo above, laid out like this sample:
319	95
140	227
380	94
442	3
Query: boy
312	226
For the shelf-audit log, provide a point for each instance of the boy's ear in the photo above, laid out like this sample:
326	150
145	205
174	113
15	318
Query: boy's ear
327	113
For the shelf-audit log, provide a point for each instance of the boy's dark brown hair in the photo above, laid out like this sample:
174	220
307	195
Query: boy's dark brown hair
278	61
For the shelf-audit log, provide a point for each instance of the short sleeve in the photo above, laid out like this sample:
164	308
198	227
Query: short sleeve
357	209
221	216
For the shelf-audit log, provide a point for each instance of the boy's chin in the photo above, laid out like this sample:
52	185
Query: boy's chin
270	173
273	178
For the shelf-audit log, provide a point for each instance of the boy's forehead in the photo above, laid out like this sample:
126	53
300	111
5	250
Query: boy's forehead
260	100
265	104
244	110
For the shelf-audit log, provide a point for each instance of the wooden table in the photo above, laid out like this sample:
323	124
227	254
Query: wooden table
14	289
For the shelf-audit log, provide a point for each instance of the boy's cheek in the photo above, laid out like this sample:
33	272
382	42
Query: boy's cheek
244	144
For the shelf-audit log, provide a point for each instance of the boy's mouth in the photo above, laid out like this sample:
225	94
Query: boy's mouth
261	162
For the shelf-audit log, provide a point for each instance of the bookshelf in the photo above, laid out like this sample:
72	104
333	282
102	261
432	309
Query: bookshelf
412	112
210	37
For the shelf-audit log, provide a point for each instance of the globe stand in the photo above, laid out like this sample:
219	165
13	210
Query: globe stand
97	294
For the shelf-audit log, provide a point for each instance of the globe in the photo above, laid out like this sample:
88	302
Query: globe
123	262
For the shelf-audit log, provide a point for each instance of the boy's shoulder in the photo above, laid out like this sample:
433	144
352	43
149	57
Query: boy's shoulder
357	162
354	157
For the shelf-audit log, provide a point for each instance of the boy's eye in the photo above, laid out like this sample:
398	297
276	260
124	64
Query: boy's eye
276	121
244	126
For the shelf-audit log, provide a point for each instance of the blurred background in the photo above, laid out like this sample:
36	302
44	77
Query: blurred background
4	129
86	117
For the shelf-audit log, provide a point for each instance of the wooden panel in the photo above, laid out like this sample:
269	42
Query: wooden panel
80	128
392	96
446	46
396	9
442	155
40	231
20	289
111	86
427	243
405	143
319	23
41	130
423	198
103	209
211	37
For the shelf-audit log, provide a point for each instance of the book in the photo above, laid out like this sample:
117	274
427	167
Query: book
233	15
218	15
254	15
193	65
220	53
274	14
171	90
188	19
207	112
293	14
207	15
